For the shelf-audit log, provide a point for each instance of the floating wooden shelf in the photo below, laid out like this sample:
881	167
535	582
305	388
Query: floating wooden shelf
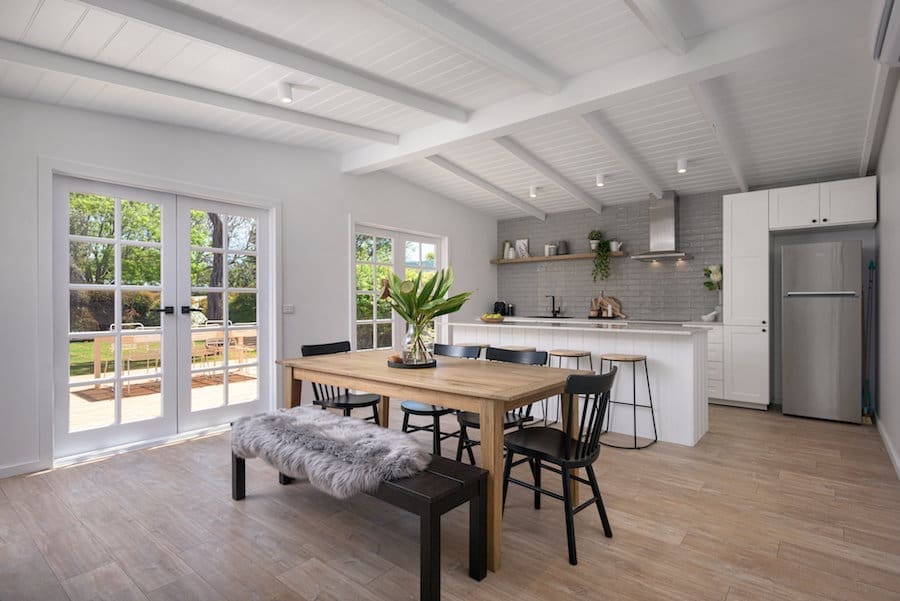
572	257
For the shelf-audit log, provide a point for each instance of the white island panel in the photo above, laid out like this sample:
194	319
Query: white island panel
676	359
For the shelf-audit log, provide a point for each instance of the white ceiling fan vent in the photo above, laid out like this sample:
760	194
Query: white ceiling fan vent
886	38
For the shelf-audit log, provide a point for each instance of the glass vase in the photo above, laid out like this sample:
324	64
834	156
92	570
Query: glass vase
415	350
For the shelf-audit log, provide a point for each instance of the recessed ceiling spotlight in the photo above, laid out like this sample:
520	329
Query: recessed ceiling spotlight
681	166
601	180
286	90
532	191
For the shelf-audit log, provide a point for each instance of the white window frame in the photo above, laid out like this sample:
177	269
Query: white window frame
400	237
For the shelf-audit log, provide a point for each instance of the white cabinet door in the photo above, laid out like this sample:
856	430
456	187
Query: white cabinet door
745	238
747	364
794	207
849	201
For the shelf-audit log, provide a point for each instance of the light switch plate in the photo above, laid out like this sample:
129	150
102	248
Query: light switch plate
287	309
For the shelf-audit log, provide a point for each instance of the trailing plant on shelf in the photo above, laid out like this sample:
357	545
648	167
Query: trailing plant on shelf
600	248
419	303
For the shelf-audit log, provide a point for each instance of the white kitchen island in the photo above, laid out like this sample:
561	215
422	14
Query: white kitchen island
676	357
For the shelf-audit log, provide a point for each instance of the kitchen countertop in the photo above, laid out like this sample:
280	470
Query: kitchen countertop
588	325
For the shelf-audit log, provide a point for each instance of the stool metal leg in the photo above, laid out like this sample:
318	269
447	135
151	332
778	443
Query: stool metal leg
634	400
650	396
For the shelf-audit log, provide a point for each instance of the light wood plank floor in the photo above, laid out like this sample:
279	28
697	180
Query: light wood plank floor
765	507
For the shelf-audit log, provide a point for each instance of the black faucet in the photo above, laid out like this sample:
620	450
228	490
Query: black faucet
553	310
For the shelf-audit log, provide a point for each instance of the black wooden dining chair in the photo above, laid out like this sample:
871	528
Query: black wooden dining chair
511	419
333	397
435	412
565	451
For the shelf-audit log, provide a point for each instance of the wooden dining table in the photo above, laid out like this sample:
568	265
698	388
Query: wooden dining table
484	387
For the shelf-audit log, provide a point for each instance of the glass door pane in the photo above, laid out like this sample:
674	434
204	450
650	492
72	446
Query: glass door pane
111	284
225	301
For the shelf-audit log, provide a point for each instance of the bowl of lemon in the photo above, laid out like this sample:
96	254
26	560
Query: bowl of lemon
492	318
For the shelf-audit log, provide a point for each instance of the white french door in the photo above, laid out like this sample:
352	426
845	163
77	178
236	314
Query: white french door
133	361
222	299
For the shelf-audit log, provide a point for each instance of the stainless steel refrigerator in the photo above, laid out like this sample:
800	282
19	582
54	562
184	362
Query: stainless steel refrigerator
821	332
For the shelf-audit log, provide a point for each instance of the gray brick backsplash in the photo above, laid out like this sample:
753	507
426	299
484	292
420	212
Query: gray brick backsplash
647	291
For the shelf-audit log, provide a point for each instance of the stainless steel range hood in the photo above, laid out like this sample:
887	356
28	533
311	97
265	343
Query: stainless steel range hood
663	230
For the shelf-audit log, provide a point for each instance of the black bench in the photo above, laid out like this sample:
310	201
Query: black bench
444	485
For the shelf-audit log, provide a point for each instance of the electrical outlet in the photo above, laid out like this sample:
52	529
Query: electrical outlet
287	309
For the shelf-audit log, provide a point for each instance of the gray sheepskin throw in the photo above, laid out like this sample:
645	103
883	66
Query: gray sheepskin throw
342	456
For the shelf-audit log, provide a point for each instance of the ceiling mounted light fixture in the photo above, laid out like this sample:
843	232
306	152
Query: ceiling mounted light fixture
601	180
681	166
286	90
532	192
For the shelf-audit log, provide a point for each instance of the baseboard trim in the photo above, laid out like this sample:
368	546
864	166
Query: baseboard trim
741	404
891	449
137	446
22	468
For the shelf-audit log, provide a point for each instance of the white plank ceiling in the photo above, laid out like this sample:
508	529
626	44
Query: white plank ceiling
796	115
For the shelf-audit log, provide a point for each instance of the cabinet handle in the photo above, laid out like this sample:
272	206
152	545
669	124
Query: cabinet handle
763	329
824	219
814	220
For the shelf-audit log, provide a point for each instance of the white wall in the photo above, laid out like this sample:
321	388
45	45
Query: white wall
888	232
318	204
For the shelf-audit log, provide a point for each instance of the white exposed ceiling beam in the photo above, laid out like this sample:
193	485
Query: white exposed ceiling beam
879	106
657	18
486	186
468	36
711	55
613	143
48	60
707	106
203	26
524	155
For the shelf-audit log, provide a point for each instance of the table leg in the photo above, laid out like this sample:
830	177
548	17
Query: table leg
569	421
292	388
492	460
384	410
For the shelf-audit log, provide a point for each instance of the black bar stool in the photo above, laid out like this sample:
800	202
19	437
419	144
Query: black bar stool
561	354
633	360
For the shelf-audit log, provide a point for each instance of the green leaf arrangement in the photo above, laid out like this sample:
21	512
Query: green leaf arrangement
420	303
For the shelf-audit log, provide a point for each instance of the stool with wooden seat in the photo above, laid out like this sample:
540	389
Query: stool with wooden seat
435	412
561	354
518	349
633	360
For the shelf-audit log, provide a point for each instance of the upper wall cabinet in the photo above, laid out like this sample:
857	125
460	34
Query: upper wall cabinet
794	207
830	204
848	201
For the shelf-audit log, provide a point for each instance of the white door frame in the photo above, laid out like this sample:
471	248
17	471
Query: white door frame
44	357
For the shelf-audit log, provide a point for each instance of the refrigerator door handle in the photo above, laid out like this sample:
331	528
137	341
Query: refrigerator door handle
829	293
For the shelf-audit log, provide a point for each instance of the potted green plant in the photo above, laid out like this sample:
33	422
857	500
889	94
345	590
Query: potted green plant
713	281
419	303
600	248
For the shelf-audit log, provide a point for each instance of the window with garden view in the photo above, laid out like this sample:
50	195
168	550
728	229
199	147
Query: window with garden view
377	253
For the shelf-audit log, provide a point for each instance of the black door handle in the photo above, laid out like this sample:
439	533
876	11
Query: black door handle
185	310
166	310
